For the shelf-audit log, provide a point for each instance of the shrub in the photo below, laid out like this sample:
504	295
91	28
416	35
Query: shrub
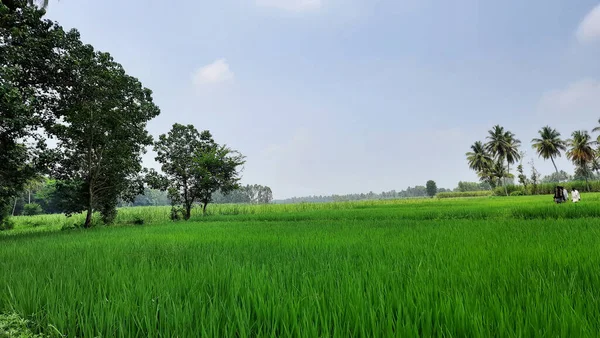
458	194
32	209
7	224
517	193
137	220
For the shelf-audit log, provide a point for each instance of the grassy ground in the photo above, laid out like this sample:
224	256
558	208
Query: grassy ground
518	266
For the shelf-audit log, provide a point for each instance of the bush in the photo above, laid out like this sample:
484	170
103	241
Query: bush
458	194
137	220
517	193
500	191
7	224
32	209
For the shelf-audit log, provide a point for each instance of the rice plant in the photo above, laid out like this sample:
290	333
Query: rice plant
517	266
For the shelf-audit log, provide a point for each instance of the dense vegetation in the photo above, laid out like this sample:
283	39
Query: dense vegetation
492	160
54	86
510	266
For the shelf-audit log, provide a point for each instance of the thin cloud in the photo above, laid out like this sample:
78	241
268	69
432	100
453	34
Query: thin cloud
573	105
589	28
291	5
216	72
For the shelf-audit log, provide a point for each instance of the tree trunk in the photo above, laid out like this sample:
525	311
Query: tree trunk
587	185
555	168
14	207
88	217
508	175
29	192
204	208
188	211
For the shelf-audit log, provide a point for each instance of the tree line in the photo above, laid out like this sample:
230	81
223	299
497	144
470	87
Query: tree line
492	160
418	191
39	197
53	86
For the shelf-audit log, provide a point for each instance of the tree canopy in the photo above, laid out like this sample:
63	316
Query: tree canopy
194	167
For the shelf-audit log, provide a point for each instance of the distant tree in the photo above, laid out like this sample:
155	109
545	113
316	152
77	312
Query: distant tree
504	147
195	167
101	136
561	176
216	170
472	186
431	188
523	180
549	145
581	153
535	176
176	152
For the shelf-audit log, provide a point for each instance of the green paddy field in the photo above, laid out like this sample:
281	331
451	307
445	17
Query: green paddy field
480	267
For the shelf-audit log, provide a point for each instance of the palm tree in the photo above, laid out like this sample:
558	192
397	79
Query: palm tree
597	129
504	147
478	157
496	144
549	145
512	150
581	151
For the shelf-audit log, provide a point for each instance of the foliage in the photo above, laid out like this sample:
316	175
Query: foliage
14	326
31	68
32	209
535	177
472	186
194	168
431	188
216	170
561	176
503	146
549	145
251	193
581	153
470	193
7	224
522	177
102	135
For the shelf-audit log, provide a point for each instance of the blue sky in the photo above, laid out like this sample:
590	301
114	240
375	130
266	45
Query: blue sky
342	96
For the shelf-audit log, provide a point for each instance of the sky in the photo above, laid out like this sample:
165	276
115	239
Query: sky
349	96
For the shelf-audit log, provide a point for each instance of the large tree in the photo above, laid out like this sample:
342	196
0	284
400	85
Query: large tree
581	152
33	68
431	188
216	170
101	135
549	145
194	166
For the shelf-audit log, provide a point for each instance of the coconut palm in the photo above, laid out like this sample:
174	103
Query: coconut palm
597	129
581	151
503	145
496	144
549	145
478	157
512	150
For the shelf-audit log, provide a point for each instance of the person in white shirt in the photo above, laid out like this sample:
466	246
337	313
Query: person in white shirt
575	195
565	194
